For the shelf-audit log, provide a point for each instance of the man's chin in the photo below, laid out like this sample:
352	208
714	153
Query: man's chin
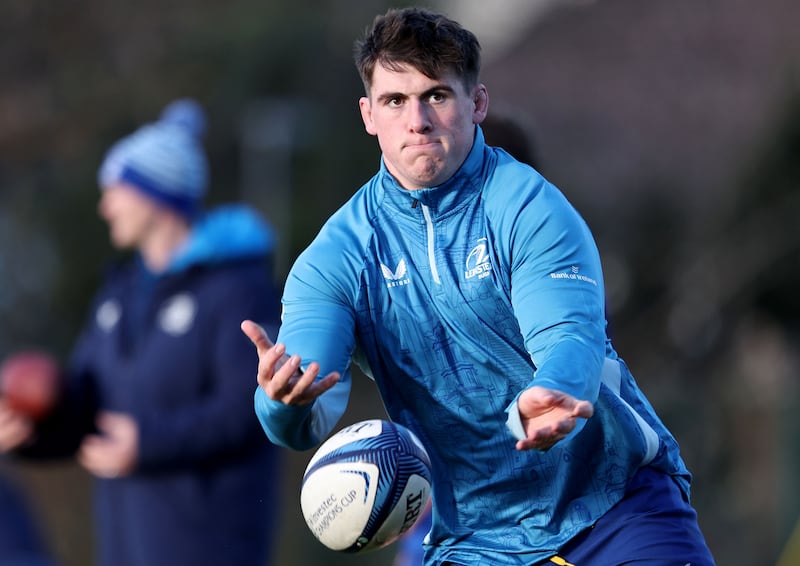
430	175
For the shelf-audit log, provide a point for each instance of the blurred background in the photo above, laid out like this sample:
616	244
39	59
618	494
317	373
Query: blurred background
673	126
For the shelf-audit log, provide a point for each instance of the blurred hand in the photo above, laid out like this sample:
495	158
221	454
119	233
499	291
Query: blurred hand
15	428
548	416
114	451
280	376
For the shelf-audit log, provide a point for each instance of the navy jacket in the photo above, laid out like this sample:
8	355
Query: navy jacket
168	350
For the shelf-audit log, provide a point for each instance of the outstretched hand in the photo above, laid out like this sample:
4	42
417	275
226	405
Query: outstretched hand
280	375
548	416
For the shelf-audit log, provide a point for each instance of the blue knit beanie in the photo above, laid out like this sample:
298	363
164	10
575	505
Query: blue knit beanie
165	159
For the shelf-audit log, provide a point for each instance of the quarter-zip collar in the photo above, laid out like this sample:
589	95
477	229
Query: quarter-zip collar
441	200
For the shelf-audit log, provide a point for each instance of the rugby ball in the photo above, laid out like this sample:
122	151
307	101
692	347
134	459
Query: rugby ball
365	486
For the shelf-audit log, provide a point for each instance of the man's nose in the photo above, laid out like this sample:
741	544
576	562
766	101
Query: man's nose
418	116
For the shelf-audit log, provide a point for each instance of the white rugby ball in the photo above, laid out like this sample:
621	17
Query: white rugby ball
365	486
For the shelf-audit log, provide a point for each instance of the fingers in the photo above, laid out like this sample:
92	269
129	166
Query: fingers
106	421
120	426
257	335
15	429
93	454
273	360
538	399
583	409
98	456
549	416
278	374
292	387
547	437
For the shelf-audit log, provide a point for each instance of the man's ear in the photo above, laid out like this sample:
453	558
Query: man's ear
366	115
480	101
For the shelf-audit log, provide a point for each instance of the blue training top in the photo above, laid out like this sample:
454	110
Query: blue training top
455	299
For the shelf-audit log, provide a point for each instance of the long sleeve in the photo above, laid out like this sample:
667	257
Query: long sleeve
318	324
556	288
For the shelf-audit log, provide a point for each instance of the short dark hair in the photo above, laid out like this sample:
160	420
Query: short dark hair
431	43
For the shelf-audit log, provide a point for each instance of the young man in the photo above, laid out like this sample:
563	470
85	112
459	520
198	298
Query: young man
160	382
471	291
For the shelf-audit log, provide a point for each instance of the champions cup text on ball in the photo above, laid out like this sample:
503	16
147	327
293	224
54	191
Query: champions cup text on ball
321	519
365	486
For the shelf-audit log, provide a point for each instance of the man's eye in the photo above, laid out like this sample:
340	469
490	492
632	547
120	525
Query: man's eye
394	102
437	97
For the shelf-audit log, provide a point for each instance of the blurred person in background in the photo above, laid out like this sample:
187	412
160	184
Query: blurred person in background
158	401
471	290
21	542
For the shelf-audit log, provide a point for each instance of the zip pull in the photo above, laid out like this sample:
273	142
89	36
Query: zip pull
431	244
414	203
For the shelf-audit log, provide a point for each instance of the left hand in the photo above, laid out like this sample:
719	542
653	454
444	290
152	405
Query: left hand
115	450
548	416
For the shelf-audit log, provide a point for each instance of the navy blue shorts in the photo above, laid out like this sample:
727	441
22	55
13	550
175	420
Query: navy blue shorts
653	525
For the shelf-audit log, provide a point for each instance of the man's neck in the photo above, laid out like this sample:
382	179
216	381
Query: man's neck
158	249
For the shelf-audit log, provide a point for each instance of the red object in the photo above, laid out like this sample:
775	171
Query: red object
30	383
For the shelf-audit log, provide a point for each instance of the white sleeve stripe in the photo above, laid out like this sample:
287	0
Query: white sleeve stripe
611	375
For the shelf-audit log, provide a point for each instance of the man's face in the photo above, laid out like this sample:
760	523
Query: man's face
425	127
129	213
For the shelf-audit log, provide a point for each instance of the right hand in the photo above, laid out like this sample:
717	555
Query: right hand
16	429
280	376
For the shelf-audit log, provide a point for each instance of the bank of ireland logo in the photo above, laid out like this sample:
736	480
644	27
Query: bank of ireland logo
574	273
478	262
397	277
